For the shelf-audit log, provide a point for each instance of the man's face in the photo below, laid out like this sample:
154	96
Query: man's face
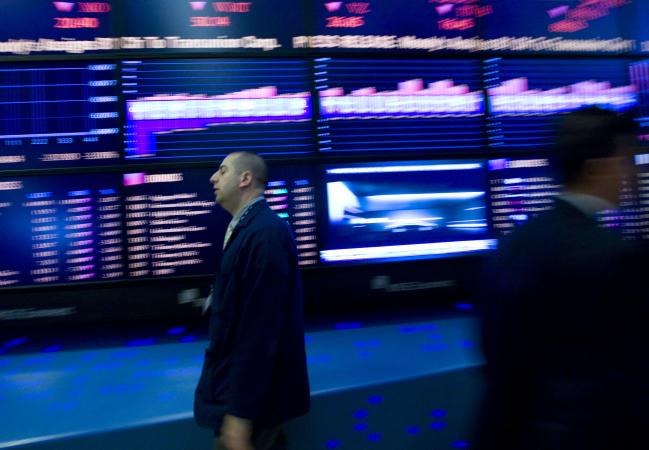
226	183
619	168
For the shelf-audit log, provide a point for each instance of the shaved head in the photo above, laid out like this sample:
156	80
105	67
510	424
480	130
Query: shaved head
245	161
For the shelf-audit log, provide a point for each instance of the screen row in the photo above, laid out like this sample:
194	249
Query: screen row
62	114
62	229
160	26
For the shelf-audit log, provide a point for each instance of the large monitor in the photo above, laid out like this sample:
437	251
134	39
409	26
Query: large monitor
520	188
173	226
256	26
203	109
636	222
640	79
560	25
400	106
60	229
527	97
393	25
59	114
395	211
37	26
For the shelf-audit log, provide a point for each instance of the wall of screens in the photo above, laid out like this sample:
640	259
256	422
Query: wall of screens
460	26
395	133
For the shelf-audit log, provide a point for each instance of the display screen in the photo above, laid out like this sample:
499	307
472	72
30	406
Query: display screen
399	106
60	229
291	193
560	25
205	109
59	114
172	225
527	97
519	188
636	217
526	26
37	26
425	25
640	79
215	26
405	210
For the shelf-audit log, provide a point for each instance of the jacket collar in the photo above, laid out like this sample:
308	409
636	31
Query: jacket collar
254	210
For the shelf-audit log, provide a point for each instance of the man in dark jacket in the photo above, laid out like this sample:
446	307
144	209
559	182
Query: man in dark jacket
565	311
254	375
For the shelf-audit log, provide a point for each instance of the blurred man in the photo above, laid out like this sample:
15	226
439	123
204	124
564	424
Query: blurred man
565	313
254	375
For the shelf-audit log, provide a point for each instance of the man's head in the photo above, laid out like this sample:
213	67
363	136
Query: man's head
594	151
241	177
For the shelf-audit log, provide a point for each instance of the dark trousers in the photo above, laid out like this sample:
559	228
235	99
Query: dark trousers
265	439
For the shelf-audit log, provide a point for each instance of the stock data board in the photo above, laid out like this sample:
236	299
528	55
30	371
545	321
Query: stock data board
201	110
35	27
60	229
527	97
216	26
399	106
59	114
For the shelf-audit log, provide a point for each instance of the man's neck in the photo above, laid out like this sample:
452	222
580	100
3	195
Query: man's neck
245	199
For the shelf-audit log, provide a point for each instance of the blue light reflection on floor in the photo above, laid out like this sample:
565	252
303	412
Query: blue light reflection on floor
143	381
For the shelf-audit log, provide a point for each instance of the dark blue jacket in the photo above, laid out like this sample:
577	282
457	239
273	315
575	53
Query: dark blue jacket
255	365
565	336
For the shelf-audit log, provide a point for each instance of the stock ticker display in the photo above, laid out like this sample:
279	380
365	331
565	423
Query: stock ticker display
181	25
35	26
405	210
640	79
170	26
204	109
59	114
62	229
171	223
527	97
519	188
558	25
527	26
399	106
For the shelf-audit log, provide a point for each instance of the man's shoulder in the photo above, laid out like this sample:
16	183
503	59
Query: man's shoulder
266	222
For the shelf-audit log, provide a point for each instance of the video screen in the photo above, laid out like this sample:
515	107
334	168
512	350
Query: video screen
403	106
60	229
172	224
199	110
291	193
405	210
519	189
640	79
59	114
560	25
635	20
256	26
395	25
36	26
174	227
527	97
636	223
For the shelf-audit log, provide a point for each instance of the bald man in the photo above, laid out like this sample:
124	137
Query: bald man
254	375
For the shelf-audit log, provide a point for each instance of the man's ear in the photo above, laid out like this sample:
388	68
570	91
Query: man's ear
245	179
598	167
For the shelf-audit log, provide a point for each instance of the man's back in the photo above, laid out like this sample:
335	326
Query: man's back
560	301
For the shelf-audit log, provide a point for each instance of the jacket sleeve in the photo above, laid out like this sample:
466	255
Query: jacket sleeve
265	290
